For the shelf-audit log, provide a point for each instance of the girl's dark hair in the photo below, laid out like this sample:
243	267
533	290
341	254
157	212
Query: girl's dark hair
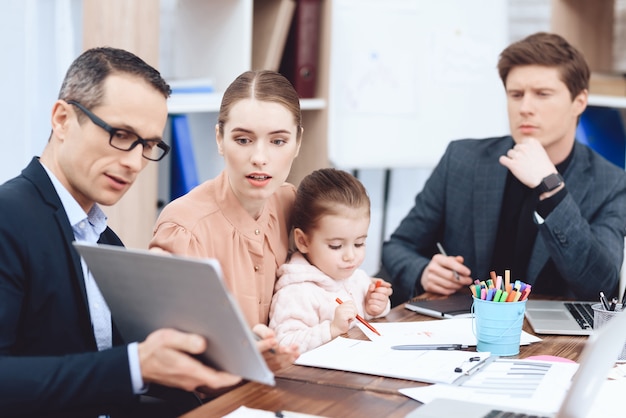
323	192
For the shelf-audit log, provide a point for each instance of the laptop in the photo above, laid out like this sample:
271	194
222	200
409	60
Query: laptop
560	317
146	290
598	356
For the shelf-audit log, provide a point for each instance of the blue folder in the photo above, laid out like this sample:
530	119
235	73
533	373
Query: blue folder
183	172
602	129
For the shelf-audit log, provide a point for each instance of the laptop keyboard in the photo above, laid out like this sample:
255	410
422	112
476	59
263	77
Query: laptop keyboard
582	312
503	414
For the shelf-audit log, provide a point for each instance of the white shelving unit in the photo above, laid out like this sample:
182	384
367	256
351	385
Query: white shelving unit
212	39
607	101
210	102
206	39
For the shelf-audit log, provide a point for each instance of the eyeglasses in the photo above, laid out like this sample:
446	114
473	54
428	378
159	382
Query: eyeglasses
123	140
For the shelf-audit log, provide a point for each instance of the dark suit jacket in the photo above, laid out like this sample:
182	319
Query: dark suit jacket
460	206
49	362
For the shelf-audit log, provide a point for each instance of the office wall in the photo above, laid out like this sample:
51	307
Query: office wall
38	40
407	77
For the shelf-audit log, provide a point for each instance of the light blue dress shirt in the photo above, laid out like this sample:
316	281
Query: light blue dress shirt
88	227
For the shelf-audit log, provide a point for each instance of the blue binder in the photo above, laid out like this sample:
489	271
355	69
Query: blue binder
183	172
602	129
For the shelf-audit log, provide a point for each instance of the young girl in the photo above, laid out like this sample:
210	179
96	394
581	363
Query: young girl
330	218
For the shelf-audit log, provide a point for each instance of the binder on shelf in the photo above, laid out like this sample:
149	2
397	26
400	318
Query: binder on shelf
300	59
183	173
602	129
192	86
272	20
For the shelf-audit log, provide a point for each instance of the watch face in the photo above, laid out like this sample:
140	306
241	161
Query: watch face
551	182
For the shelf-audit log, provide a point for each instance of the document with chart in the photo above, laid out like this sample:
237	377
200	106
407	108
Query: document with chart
507	383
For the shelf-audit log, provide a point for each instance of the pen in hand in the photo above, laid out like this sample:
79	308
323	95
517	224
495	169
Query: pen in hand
259	338
361	320
443	252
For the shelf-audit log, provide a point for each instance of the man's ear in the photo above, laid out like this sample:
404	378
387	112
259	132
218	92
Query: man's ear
301	240
60	118
580	102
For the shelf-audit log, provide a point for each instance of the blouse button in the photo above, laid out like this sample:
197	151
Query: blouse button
256	268
257	232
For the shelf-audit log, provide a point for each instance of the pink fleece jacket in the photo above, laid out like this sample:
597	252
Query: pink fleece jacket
303	305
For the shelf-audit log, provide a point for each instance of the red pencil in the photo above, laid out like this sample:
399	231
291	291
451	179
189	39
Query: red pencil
361	320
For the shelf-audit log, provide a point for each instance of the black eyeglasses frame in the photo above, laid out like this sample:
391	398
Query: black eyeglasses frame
112	131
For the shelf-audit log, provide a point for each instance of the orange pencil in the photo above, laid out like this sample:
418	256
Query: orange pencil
361	320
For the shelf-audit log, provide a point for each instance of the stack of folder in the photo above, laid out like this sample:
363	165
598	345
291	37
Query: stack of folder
183	171
602	129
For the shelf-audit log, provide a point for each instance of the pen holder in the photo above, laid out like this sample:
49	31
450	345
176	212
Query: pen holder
498	326
601	316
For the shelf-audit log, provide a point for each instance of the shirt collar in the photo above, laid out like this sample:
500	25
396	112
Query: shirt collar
76	214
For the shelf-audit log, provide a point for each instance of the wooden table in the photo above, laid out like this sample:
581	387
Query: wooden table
334	393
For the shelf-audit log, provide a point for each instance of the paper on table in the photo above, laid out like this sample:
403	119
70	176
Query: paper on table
245	412
430	366
609	402
539	391
442	331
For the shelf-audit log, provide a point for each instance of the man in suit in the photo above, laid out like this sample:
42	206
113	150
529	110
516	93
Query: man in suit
60	354
537	202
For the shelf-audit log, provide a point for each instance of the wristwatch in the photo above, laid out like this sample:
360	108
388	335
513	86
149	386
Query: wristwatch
549	183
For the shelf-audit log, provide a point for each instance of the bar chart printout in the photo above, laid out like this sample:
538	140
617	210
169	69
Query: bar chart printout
519	382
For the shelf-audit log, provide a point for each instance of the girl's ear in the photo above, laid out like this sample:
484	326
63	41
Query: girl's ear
301	241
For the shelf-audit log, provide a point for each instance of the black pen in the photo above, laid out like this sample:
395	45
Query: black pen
443	252
429	347
475	367
470	360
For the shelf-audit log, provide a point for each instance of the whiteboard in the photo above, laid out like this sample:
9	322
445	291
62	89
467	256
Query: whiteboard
409	76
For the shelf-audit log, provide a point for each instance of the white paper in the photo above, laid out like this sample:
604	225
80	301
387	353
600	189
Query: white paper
609	402
245	412
430	366
441	331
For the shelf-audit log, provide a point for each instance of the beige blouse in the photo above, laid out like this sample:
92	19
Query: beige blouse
209	222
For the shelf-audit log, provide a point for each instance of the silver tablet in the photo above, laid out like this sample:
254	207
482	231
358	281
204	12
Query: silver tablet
146	290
